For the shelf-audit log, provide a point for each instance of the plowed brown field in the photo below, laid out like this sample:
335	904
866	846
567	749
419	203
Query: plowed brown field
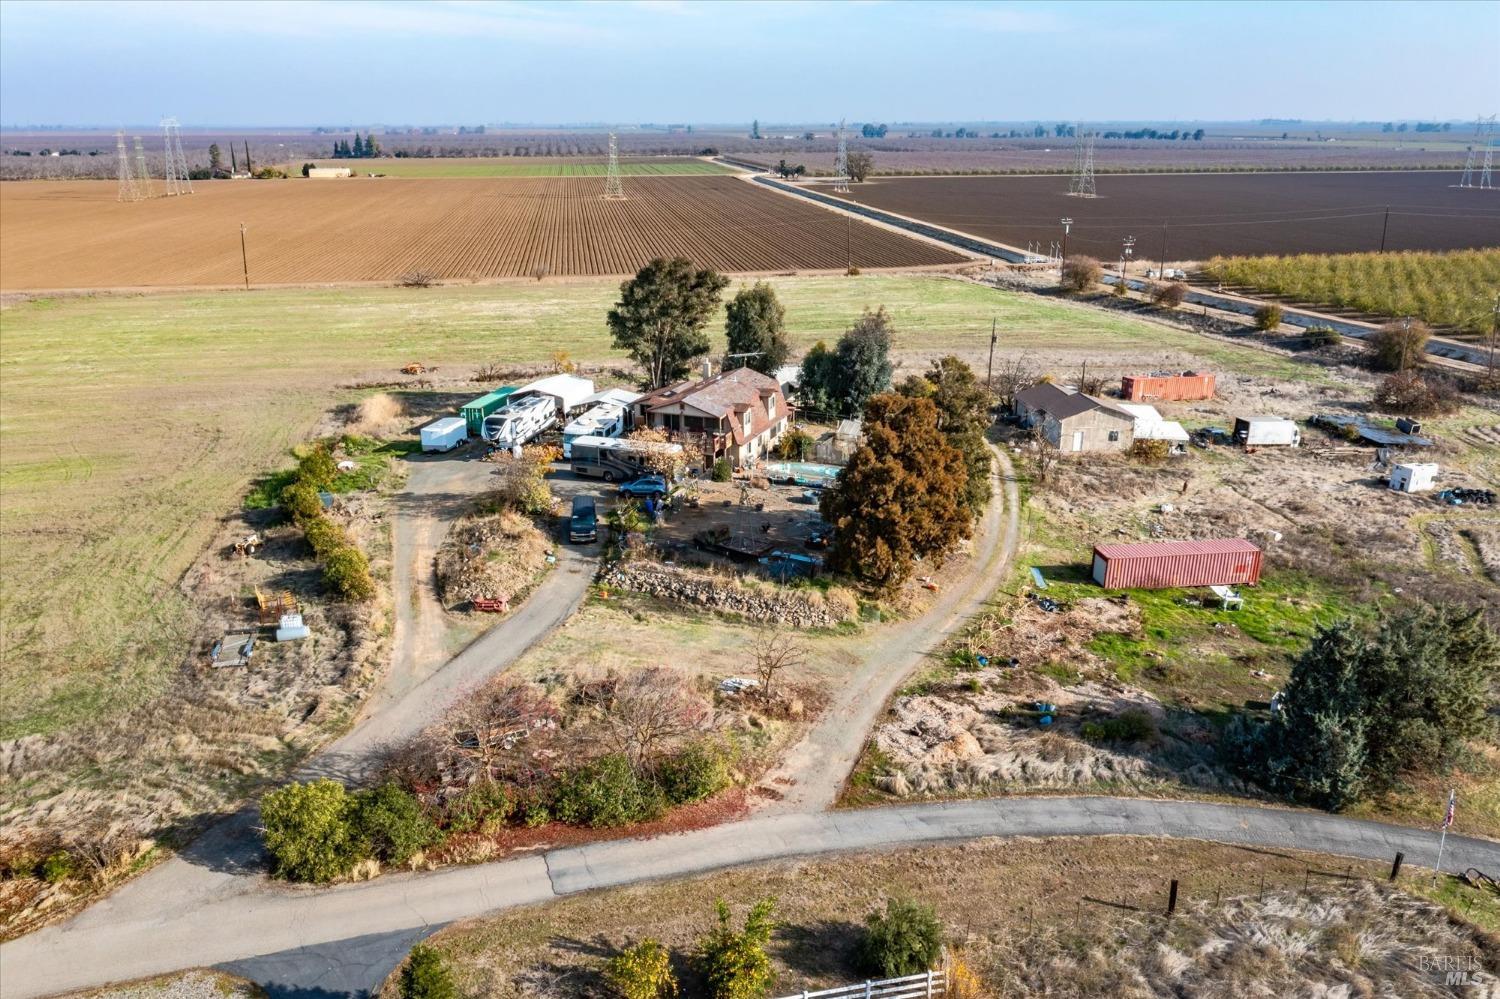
77	235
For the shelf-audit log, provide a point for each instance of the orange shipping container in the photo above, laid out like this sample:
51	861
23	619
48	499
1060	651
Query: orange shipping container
1165	564
1185	387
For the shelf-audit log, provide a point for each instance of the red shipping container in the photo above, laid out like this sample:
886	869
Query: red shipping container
1186	387
1164	564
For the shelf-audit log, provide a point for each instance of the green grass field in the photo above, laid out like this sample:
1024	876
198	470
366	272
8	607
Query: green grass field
524	166
129	423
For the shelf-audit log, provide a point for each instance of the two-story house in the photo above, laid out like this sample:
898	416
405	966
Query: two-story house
738	415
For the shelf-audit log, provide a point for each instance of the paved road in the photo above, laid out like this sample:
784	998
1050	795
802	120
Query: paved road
814	771
256	926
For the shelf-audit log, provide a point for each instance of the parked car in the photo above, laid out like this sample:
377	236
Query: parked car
584	524
650	485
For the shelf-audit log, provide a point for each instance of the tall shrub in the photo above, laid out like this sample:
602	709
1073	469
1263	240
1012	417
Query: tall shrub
734	962
905	939
309	831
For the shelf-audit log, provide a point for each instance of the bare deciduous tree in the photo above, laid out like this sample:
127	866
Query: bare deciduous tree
650	712
774	652
495	736
1012	376
1041	453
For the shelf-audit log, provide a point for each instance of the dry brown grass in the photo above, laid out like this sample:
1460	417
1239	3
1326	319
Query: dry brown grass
1033	917
378	415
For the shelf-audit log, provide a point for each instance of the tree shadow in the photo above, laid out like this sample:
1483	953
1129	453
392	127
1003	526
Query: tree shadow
820	950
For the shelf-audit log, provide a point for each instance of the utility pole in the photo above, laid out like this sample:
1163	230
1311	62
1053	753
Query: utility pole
849	243
1163	273
1405	342
1129	249
1494	335
1067	225
989	375
244	257
1385	227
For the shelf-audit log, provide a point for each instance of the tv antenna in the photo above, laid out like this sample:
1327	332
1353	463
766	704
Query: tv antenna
128	190
841	163
1082	183
614	190
178	181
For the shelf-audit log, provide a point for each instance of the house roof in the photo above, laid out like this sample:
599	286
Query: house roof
728	393
1169	549
1038	396
1080	403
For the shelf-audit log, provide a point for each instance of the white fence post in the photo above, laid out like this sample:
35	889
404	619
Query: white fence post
867	988
929	983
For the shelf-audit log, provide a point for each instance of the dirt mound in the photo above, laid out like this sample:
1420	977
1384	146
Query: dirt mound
496	556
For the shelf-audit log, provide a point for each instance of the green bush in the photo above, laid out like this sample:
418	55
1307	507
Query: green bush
1267	318
722	471
643	971
906	939
393	823
325	536
697	772
606	792
484	807
1129	726
317	467
309	831
301	502
57	867
1322	336
795	445
347	571
734	963
426	975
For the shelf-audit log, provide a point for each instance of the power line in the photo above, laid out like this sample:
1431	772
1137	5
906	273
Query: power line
614	188
1082	183
128	189
178	181
841	163
142	175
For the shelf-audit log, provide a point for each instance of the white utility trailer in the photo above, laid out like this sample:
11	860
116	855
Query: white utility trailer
445	434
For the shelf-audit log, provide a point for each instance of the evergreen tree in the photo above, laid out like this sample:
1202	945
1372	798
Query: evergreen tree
963	406
816	381
756	325
901	495
660	316
863	362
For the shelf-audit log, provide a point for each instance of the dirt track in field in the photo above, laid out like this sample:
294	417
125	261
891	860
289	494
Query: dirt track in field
1206	214
77	235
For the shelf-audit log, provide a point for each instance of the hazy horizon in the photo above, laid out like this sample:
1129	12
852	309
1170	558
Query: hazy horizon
290	64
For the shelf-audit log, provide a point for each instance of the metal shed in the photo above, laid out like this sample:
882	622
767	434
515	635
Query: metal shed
1165	564
568	392
475	410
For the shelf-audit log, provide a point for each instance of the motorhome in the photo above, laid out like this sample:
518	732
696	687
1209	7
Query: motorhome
617	460
520	422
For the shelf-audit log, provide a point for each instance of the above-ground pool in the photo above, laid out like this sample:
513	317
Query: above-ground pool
802	473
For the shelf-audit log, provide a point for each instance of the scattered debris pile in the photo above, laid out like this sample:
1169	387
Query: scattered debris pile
493	557
796	608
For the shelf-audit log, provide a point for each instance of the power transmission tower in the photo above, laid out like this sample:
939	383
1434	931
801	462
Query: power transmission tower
841	164
142	175
1481	152
128	191
178	181
614	190
1082	184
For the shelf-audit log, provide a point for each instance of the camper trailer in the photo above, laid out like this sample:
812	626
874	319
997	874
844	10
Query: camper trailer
1266	431
445	434
567	393
604	420
521	421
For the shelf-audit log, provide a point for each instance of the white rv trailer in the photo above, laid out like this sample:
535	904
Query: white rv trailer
604	420
568	393
520	422
445	434
615	459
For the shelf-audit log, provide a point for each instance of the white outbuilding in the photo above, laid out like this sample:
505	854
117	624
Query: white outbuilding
569	392
1414	477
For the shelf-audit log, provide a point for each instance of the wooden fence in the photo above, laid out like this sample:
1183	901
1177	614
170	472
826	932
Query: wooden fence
927	985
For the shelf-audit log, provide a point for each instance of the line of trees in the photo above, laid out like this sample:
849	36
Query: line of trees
361	149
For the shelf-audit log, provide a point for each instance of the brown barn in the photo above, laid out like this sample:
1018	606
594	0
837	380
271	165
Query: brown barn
1083	423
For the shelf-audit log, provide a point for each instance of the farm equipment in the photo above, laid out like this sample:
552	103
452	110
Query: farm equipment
271	606
248	545
414	368
491	605
233	649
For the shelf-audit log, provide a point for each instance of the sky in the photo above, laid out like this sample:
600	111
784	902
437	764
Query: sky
279	62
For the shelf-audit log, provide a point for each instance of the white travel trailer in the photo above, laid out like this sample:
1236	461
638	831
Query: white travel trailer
445	434
520	422
604	420
568	393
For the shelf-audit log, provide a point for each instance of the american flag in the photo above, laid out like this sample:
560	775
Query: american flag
1452	800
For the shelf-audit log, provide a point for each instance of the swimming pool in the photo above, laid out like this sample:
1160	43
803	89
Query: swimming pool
802	473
